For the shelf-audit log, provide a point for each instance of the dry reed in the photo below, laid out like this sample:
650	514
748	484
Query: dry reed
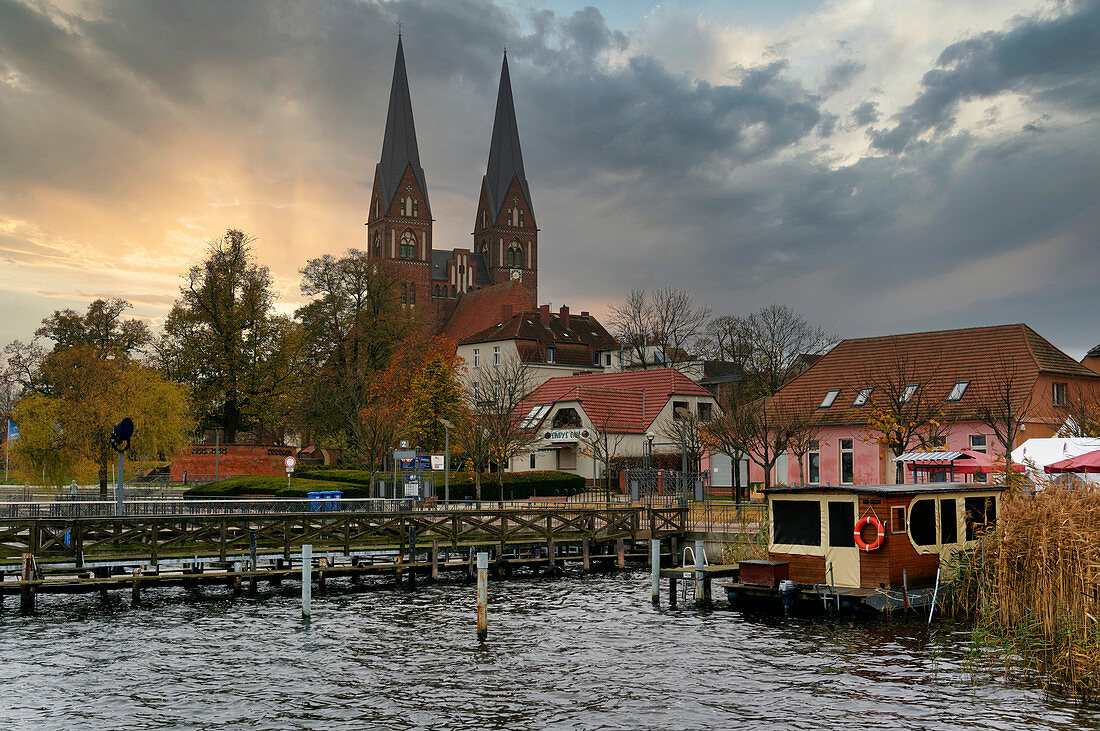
1037	586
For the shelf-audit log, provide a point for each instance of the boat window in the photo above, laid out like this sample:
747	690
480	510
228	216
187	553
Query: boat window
842	525
897	519
797	522
949	530
922	522
981	513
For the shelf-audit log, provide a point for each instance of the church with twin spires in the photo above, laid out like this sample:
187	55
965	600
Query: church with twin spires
458	290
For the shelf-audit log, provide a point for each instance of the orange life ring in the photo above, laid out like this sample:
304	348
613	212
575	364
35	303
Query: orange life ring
875	544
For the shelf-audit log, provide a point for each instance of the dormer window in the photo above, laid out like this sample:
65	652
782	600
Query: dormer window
958	390
550	354
862	396
830	397
907	394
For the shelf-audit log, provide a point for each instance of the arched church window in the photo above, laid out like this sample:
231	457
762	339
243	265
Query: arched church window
515	255
520	217
436	291
407	247
484	218
404	292
415	208
454	291
377	244
412	293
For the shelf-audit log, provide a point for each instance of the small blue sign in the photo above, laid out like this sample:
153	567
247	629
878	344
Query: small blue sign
13	431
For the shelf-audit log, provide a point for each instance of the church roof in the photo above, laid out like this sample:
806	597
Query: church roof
399	149
505	158
481	308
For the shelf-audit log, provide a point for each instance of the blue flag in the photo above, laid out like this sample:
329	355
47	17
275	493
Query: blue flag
13	431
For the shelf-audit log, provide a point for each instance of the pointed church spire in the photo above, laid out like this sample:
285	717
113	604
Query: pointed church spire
399	149
505	158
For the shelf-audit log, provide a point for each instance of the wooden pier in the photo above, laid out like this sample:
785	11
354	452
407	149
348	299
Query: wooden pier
86	555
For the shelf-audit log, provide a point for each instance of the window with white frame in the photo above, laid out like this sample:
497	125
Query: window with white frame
862	396
1058	393
907	394
534	416
496	355
847	462
813	463
958	390
978	443
550	354
477	357
830	397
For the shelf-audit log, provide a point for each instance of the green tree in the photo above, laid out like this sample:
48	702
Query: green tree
435	395
101	327
352	328
221	338
65	428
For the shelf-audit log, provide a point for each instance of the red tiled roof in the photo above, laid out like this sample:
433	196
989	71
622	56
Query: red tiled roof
475	311
617	399
935	360
527	325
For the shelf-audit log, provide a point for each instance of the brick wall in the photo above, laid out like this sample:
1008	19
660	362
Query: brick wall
233	460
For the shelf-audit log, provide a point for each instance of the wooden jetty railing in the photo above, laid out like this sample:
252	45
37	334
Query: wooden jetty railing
159	537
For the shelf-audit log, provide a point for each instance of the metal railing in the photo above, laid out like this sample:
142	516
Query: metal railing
724	517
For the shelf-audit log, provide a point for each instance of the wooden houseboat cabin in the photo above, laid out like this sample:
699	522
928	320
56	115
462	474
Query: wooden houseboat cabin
876	536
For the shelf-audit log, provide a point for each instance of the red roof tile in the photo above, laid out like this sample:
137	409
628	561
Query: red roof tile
936	360
625	402
475	311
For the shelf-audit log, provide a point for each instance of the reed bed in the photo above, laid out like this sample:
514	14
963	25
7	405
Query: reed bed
1034	584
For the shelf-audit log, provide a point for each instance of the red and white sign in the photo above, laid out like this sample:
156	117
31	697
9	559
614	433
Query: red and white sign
290	462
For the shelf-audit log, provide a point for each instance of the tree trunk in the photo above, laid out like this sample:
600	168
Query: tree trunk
103	482
231	421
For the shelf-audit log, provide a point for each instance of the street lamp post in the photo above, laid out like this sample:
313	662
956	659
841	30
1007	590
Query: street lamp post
684	415
447	426
649	437
121	435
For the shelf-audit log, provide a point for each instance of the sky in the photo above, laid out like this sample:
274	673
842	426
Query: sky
880	167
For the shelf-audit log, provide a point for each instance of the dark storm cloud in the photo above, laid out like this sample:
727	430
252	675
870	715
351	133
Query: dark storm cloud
641	176
1055	60
840	76
865	113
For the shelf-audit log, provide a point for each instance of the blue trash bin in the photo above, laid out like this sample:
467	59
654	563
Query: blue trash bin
333	495
316	505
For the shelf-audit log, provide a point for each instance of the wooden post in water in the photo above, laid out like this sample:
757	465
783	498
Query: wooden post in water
322	563
435	560
307	578
26	591
701	587
584	556
655	571
675	553
135	589
482	596
620	553
252	562
551	549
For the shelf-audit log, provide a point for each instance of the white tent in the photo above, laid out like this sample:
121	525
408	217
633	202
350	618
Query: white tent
1038	453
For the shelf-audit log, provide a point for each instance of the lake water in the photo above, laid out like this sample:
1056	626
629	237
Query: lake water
572	652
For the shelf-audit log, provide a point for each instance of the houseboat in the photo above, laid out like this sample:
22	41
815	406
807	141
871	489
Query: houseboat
852	547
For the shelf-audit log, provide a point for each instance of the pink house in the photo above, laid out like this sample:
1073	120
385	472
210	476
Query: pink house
959	370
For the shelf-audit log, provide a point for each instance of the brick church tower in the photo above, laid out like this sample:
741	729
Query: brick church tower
504	228
453	288
399	225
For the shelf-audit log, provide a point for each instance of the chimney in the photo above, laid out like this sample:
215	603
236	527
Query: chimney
563	313
505	313
544	314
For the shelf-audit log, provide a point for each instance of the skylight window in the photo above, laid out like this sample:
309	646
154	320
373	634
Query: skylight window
907	394
829	398
958	390
535	416
862	396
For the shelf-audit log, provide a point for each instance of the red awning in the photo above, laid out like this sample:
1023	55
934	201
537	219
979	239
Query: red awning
1088	462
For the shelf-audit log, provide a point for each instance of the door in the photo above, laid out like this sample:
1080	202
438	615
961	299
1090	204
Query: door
840	546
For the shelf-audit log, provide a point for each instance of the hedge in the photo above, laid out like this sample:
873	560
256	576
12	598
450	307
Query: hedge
355	483
262	485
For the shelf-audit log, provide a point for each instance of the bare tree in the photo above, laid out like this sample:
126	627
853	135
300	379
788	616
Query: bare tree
493	429
602	445
771	345
1005	401
760	430
666	321
902	411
